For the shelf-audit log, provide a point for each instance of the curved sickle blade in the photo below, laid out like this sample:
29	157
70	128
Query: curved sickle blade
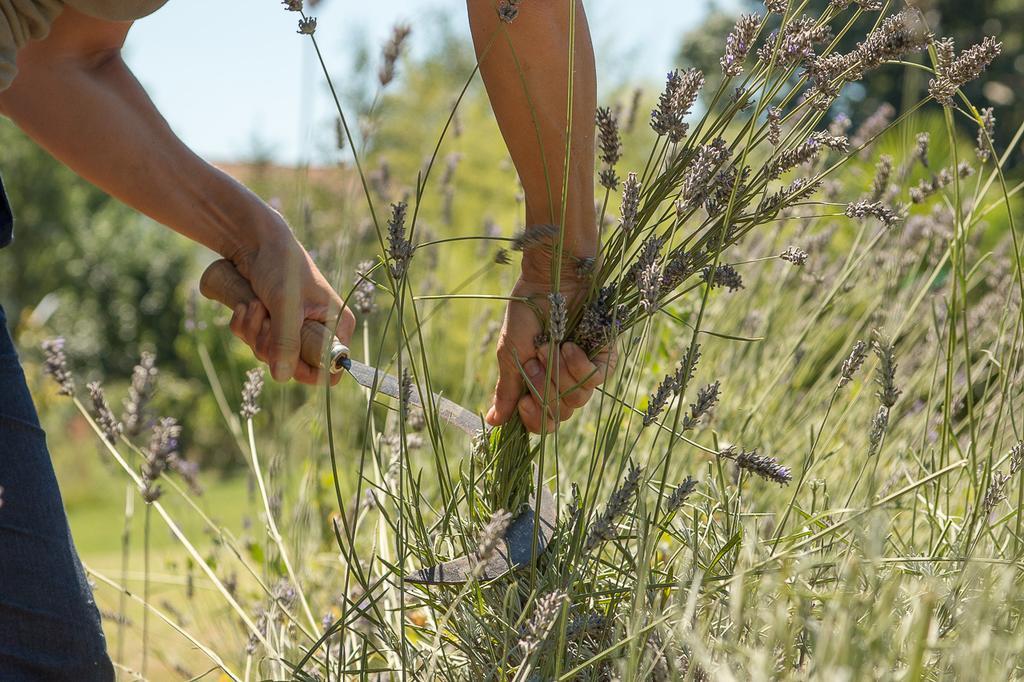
514	552
517	548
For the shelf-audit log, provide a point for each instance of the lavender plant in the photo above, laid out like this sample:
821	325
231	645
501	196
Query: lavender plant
806	464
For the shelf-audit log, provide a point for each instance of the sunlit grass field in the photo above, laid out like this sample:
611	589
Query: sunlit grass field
829	489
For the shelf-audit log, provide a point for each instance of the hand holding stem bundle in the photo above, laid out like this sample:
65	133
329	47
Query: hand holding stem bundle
527	66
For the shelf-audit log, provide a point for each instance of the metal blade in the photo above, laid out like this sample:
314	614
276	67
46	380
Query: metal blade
387	384
520	547
515	552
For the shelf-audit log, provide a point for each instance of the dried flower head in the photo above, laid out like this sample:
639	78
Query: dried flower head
646	272
853	362
365	292
139	394
796	43
986	134
56	365
678	495
585	266
604	526
292	5
880	184
392	51
251	390
885	375
491	536
921	148
777	6
609	141
610	144
725	276
767	468
105	418
794	255
162	448
399	248
897	35
675	102
728	185
508	10
557	317
405	394
630	202
954	72
545	614
534	236
307	26
806	152
1016	457
995	493
656	403
677	269
774	120
700	173
686	368
707	398
608	178
863	209
600	322
937	182
738	44
879	425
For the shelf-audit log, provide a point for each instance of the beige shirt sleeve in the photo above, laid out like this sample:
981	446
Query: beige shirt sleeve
25	20
20	22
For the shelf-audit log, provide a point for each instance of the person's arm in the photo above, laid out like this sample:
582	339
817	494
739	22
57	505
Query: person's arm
525	68
77	98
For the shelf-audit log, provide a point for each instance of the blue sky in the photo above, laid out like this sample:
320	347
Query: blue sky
234	77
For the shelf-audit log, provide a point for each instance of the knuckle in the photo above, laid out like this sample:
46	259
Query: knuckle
576	399
285	343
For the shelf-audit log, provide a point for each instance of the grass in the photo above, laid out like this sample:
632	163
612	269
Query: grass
767	508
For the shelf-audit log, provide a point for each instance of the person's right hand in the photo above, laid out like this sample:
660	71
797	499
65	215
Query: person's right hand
290	289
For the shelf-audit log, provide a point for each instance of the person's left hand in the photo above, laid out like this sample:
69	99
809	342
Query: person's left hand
552	396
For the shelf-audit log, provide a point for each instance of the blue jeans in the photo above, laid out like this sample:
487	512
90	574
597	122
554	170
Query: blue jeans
49	625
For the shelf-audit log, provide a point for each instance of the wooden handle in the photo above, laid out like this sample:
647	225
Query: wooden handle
223	283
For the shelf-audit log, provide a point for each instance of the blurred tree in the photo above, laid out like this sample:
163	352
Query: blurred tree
1001	87
107	275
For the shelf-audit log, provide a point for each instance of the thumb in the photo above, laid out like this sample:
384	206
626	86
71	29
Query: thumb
508	389
285	326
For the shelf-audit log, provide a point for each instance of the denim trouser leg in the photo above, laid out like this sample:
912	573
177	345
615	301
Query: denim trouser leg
49	626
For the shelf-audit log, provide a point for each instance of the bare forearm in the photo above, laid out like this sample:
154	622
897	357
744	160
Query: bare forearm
526	69
110	133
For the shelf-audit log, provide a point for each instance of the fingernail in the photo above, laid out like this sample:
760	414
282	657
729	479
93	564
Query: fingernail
534	369
282	371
